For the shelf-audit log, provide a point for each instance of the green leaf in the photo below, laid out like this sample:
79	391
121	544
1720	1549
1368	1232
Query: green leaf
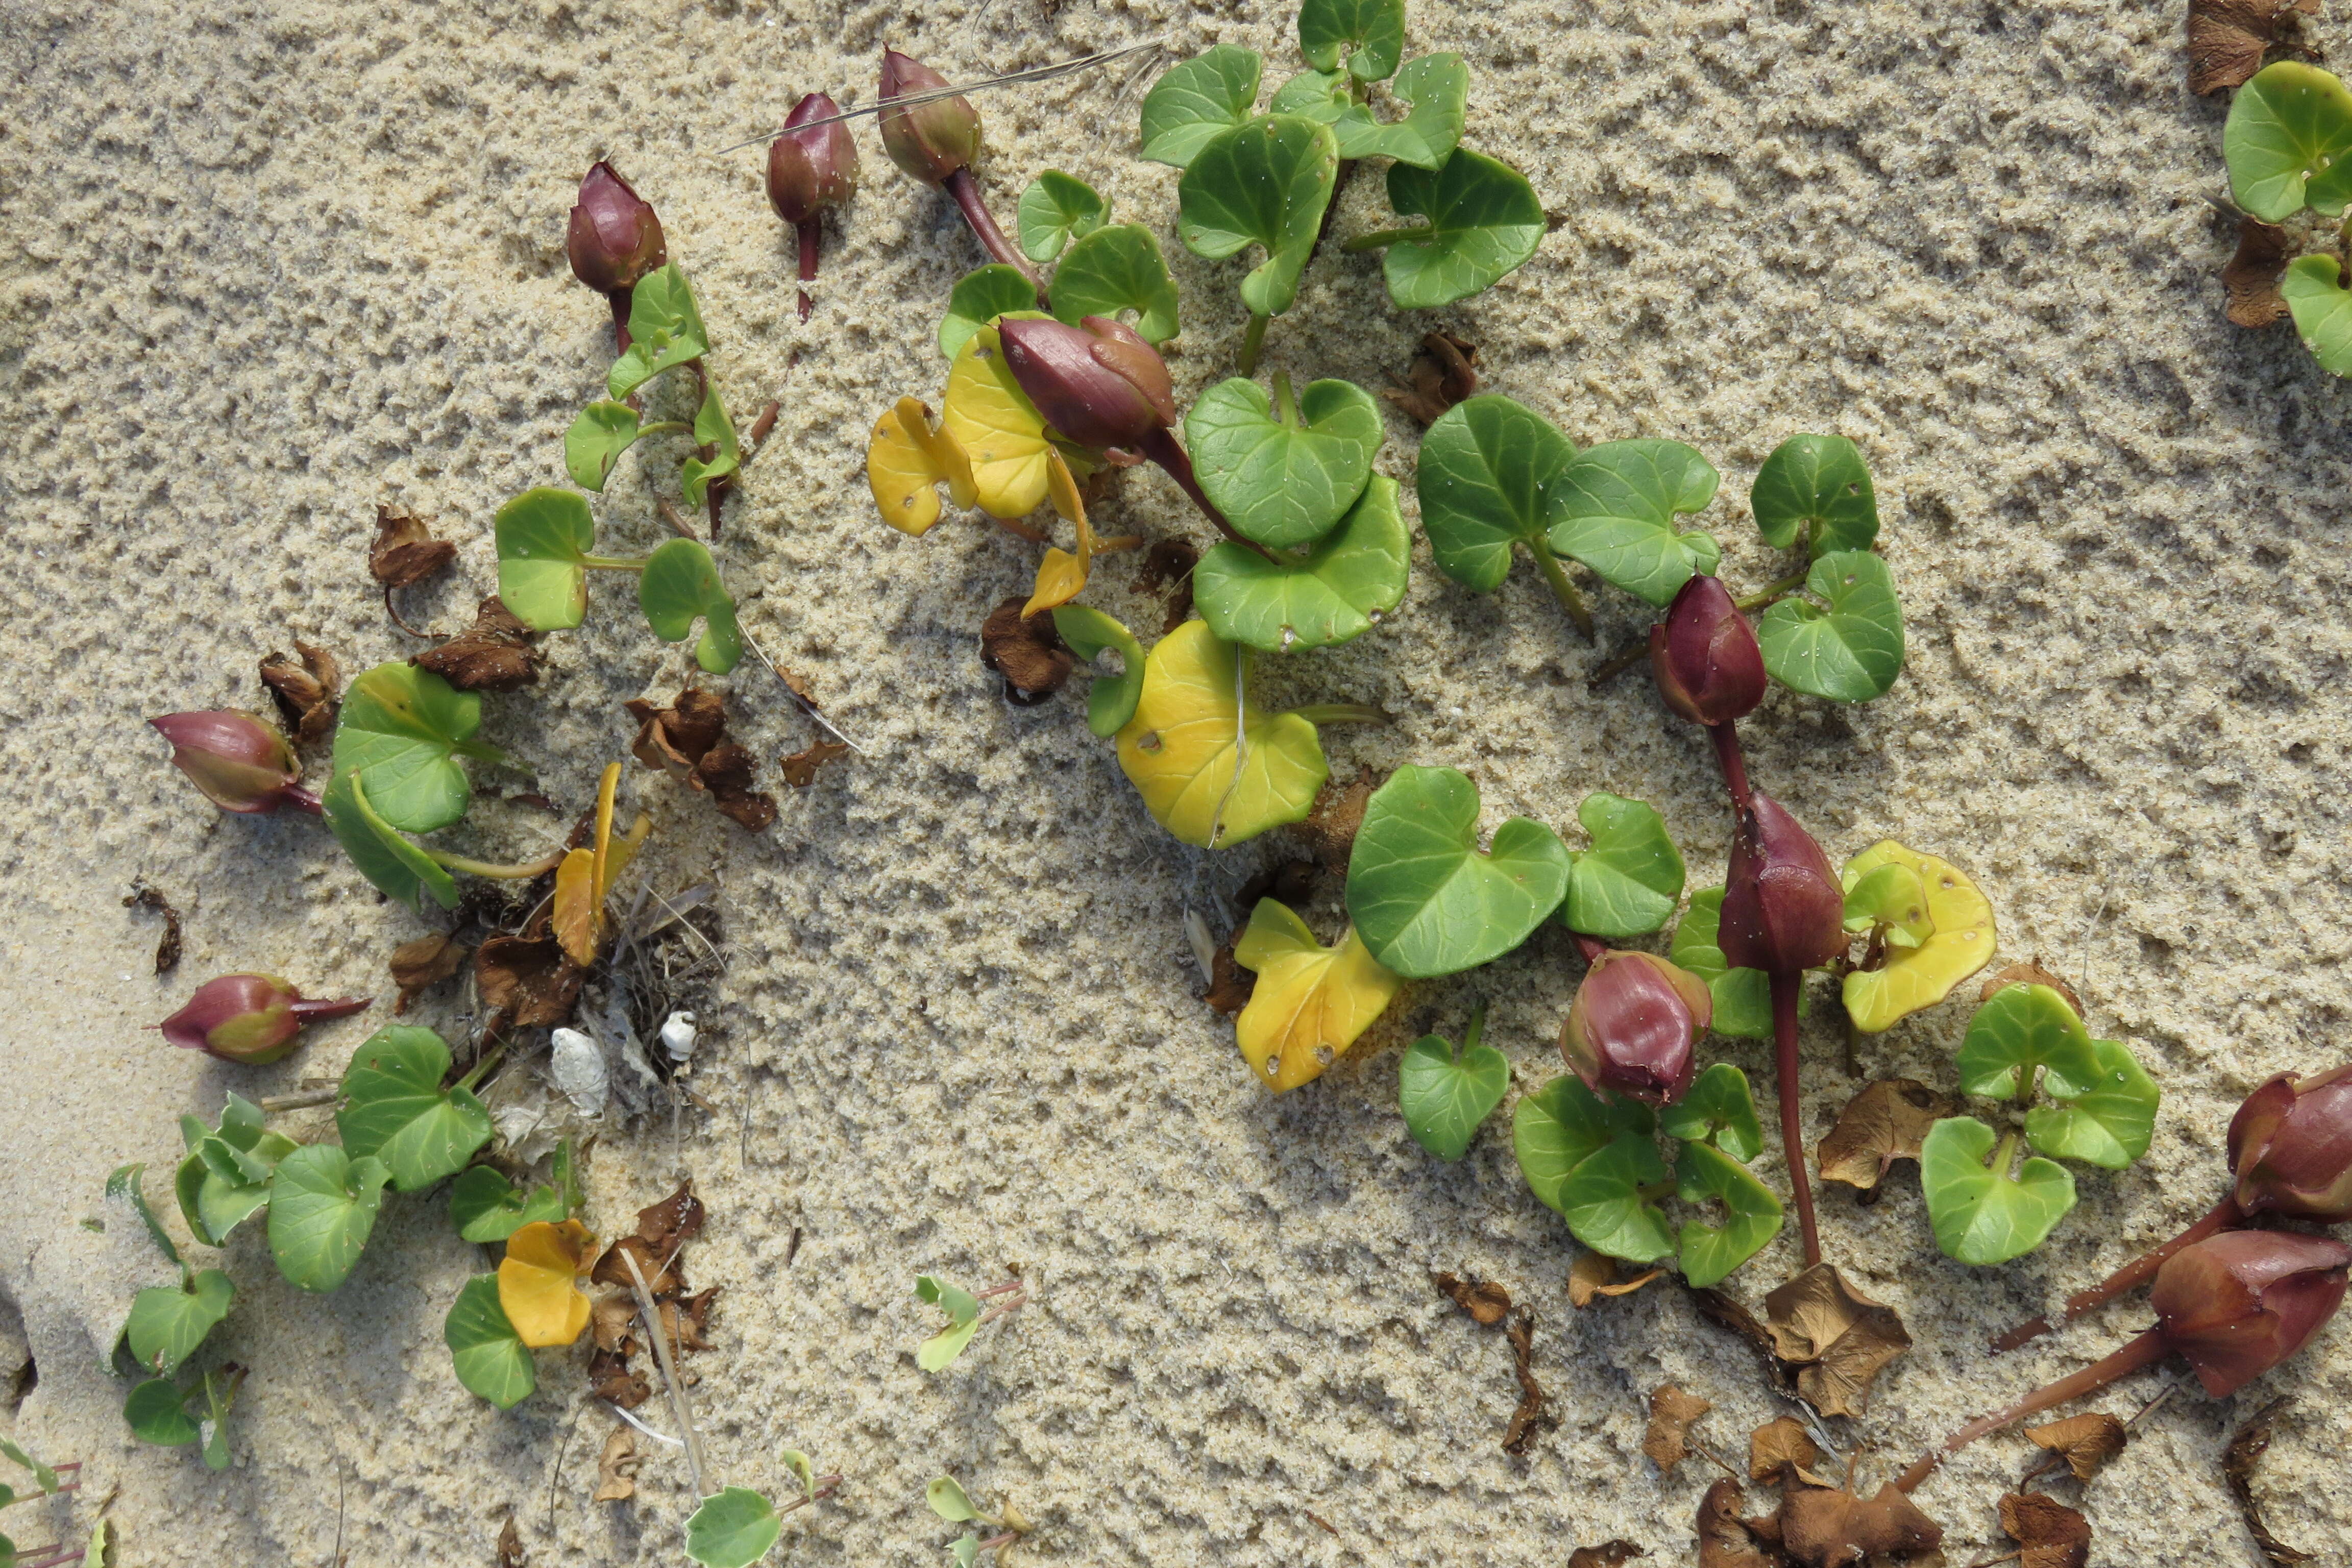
1560	1126
978	300
1819	484
43	1475
490	1357
1192	104
966	1551
1983	1215
1117	269
1892	899
1445	1098
2024	1028
679	582
1436	86
1615	511
2322	310
1110	701
224	1180
1355	576
1603	1202
2107	1123
1708	1253
485	1206
712	428
1056	209
1743	997
1719	1110
125	1183
732	1529
1369	34
1284	478
2286	142
1630	880
1263	184
402	732
666	330
213	1424
322	1204
595	442
544	538
157	1412
168	1321
963	1309
1425	901
397	868
395	1108
798	1463
1487	479
1483	222
1853	652
948	1501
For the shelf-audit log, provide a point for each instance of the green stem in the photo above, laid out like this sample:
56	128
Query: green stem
1561	588
1766	595
491	870
610	563
2001	1155
1342	714
665	428
1478	1027
489	1059
1287	403
482	751
1385	238
1253	341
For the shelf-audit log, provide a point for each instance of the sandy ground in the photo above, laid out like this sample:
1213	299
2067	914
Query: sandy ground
269	265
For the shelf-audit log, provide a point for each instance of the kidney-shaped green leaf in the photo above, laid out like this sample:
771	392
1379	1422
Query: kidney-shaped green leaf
402	730
732	1529
1630	880
1367	34
596	440
1708	1253
1487	469
1056	209
1425	901
1354	577
2315	292
680	582
1263	184
1110	701
1562	1125
2288	141
1446	1097
156	1411
1484	221
1818	484
169	1321
1719	1110
1983	1215
1436	86
544	537
1615	510
2107	1123
978	299
490	1357
1193	103
485	1206
1742	997
1283	471
225	1178
322	1204
395	1108
1851	652
398	868
2018	1029
666	330
1117	269
1605	1208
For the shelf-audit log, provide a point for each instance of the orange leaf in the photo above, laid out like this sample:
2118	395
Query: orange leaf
537	1282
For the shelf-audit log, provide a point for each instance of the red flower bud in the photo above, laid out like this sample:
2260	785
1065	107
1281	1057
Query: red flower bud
2291	1146
1102	386
929	141
250	1018
1633	1024
1705	655
237	758
615	239
2237	1304
809	170
1783	908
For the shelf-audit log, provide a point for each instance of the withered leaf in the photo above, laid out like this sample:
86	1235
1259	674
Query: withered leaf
2252	275
610	1377
404	550
800	686
612	1322
1331	823
725	771
687	739
2227	38
1885	1122
1672	1411
1608	1554
1839	1338
1486	1302
529	980
2086	1442
494	653
1782	1445
167	946
1167	567
305	690
800	768
1823	1527
2028	974
684	1320
418	966
511	1546
662	1229
1445	371
617	1468
1594	1274
1721	1309
1029	654
676	1219
2048	1533
1724	1539
1531	1419
1230	985
2247	1445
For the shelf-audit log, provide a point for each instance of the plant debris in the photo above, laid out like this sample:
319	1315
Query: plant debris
1727	1541
1839	1338
800	768
1331	824
1445	371
1531	1419
2253	275
1289	881
1884	1123
167	946
1782	1446
1230	985
617	1468
418	966
1167	567
494	653
687	739
1608	1554
2049	1535
1486	1302
527	982
405	554
2247	1445
663	1229
306	691
2086	1442
2227	38
1824	1527
1594	1274
511	1553
1672	1412
1028	654
2028	975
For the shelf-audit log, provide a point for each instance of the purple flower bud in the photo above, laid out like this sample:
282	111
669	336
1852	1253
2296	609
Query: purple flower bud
614	239
237	758
2291	1146
1704	654
1633	1024
2237	1304
809	170
1783	909
1102	386
250	1018
929	141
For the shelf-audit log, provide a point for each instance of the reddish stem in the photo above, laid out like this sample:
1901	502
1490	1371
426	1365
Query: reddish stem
2146	1351
2131	1275
1785	990
812	233
312	1009
619	299
301	799
1734	763
1162	449
966	191
1593	949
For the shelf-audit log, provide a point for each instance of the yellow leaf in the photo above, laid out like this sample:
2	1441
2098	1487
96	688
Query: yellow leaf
586	876
1961	942
992	420
624	849
1311	1001
1060	577
537	1282
1179	750
906	459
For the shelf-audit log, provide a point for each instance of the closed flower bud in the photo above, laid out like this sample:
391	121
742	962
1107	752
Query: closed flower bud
811	170
1101	386
237	758
2291	1146
2237	1304
1705	655
1633	1024
929	141
615	239
1783	908
250	1018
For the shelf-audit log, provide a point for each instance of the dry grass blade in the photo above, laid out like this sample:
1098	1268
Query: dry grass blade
2247	1445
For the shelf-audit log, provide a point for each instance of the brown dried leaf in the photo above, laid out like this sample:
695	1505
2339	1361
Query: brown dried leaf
1725	1540
1840	1337
528	980
1168	566
674	739
305	690
2227	38
684	1320
1486	1302
2086	1442
2028	974
725	771
1781	1444
1230	985
610	1377
494	653
1531	1419
612	1322
1721	1309
418	966
1884	1123
800	768
801	688
167	946
1608	1554
617	1468
2049	1534
2253	275
1594	1274
1331	826
404	550
2247	1445
511	1545
1672	1411
1823	1527
1445	371
1029	654
676	1219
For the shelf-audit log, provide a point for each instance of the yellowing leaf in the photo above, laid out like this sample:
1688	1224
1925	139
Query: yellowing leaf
537	1287
1062	576
1916	977
585	877
1311	1001
1179	751
990	417
906	459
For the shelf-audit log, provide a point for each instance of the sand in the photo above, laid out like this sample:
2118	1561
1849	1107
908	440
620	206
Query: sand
267	266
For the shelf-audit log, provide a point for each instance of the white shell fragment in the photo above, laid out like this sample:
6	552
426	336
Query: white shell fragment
678	1037
576	1064
1204	946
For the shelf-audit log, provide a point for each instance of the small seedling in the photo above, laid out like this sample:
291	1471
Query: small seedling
966	1315
545	537
947	1498
734	1528
1446	1096
159	1411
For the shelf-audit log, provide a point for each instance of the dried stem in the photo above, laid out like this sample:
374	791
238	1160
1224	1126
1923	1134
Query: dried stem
389	610
652	1315
2222	1216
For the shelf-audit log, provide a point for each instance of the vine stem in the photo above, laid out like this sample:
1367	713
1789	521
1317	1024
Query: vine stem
493	870
1786	988
1562	589
610	563
301	799
812	237
1734	763
621	300
966	191
2145	1351
1593	949
2222	1216
1770	591
1253	341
